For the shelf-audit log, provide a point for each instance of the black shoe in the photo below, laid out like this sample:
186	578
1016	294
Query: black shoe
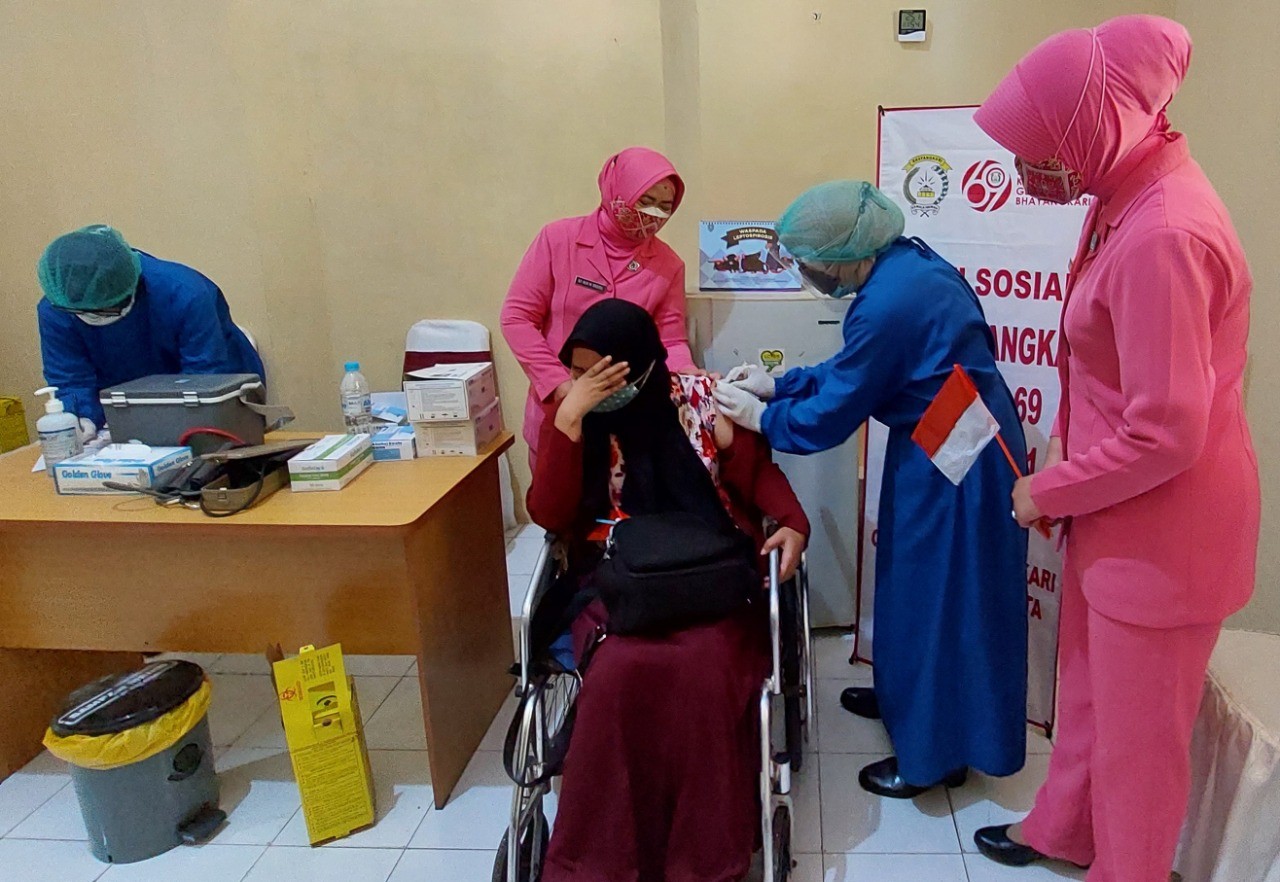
882	779
994	843
861	700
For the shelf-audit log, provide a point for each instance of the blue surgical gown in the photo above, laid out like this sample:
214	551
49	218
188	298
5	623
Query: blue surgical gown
180	324
950	601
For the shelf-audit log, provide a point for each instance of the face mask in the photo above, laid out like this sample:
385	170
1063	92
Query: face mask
1050	181
623	396
639	223
103	317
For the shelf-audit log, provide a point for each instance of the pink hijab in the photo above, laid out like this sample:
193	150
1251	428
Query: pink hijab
1101	94
627	176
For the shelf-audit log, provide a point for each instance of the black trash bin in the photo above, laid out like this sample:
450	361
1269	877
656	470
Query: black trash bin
141	760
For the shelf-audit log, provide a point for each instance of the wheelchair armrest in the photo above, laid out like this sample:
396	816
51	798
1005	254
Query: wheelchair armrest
545	557
537	584
775	620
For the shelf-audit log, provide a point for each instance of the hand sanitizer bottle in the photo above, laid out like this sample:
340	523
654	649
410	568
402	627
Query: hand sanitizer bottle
59	431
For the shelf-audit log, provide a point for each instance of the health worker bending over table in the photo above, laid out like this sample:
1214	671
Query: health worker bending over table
950	604
111	314
614	252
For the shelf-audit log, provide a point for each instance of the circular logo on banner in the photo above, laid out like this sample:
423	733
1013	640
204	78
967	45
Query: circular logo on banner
927	183
987	185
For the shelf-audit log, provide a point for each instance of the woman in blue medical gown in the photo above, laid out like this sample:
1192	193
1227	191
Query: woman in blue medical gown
950	601
111	314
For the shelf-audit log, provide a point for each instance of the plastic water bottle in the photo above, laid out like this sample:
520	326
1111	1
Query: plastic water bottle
357	405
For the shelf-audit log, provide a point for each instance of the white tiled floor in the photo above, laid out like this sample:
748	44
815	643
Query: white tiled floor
842	833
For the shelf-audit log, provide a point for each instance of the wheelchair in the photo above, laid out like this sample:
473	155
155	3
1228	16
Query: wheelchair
547	686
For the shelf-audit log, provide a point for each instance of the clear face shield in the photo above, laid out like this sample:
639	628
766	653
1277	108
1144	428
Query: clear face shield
818	283
814	281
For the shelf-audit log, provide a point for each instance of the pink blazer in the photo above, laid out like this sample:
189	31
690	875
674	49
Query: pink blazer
566	270
1160	475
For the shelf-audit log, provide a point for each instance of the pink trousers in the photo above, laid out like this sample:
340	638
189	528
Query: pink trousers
1120	774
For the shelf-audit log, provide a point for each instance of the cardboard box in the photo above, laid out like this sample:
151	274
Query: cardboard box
394	444
450	392
389	409
134	464
325	735
331	463
459	437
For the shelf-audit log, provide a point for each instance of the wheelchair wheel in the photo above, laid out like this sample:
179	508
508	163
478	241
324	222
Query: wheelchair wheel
781	833
538	737
793	703
529	868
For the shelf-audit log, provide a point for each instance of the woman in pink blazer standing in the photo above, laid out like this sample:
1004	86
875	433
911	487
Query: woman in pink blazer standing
612	252
1152	469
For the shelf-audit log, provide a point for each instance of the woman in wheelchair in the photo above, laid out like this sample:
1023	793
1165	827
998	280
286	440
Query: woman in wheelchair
660	777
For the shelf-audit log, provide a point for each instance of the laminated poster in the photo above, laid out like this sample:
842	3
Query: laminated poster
743	256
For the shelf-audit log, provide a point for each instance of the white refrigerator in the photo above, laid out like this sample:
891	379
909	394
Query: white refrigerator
792	330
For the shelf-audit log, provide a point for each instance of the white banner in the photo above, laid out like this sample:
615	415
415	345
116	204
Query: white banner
960	193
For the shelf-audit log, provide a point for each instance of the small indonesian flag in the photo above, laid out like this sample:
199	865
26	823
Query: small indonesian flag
956	427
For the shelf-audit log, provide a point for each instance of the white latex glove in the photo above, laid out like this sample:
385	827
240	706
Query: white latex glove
99	441
740	406
752	378
87	429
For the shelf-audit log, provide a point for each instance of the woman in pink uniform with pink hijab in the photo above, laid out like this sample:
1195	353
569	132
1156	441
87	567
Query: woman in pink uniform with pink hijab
612	252
1151	468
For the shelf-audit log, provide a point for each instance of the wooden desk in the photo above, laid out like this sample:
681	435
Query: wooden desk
407	559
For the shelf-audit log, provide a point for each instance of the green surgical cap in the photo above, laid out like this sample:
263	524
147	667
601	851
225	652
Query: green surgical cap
840	222
90	268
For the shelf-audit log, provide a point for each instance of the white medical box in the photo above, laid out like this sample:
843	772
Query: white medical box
394	444
450	392
135	464
459	437
331	463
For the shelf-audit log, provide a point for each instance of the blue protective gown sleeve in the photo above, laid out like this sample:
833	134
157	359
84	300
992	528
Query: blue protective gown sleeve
67	365
800	382
822	406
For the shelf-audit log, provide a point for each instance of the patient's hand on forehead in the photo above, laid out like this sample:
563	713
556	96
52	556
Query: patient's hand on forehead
595	379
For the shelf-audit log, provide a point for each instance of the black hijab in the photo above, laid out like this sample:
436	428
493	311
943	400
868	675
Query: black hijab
663	472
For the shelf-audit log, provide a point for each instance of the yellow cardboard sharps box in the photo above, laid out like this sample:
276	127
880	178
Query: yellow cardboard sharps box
325	735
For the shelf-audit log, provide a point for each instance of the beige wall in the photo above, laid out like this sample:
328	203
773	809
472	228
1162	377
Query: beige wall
342	169
778	83
1230	109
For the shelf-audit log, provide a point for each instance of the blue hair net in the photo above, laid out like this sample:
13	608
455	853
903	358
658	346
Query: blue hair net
840	222
88	269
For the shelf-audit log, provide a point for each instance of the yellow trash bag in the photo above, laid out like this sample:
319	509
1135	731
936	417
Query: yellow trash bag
133	745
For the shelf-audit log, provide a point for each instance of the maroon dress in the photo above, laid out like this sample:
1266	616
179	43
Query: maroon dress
660	780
